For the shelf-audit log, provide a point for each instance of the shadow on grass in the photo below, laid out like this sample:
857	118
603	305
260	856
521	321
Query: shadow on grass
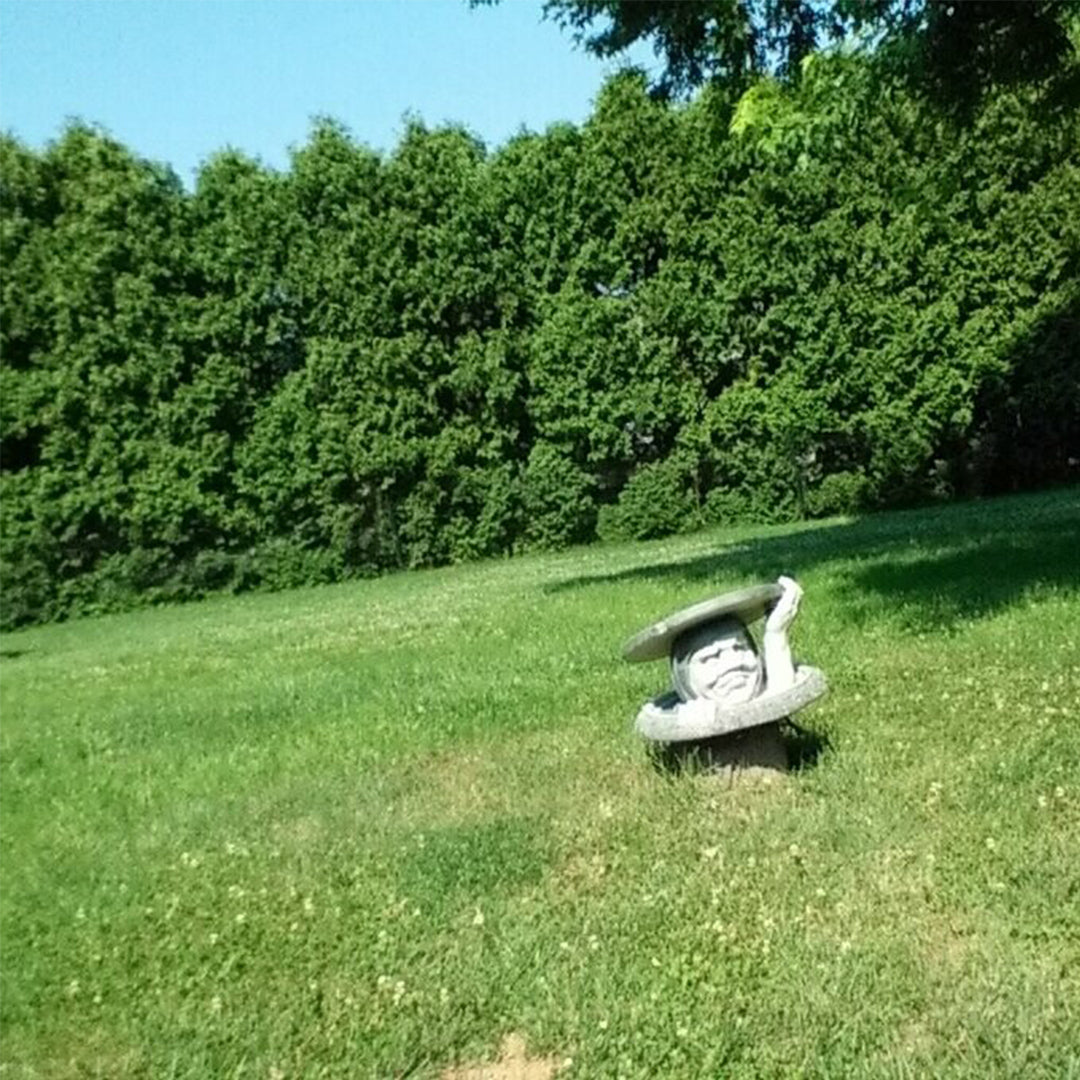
804	746
963	561
11	654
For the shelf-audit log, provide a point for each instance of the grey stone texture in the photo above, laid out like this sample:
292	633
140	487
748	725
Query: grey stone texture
729	697
666	718
757	753
747	605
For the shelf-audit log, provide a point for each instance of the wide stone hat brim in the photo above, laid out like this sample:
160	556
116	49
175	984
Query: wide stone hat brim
746	604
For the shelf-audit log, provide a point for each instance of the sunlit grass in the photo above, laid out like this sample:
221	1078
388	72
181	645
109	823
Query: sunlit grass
369	830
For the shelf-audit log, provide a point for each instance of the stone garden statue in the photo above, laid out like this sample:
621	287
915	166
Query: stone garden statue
728	697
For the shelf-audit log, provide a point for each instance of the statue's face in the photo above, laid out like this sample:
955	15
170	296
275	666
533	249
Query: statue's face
720	664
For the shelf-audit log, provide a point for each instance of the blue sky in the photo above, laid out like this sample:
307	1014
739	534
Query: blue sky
176	80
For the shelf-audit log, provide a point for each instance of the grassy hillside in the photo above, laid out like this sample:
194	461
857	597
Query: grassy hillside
370	830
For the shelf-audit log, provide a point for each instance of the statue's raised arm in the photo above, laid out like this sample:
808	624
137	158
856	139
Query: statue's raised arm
779	664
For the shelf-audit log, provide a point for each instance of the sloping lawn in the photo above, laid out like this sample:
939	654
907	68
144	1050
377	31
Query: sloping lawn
372	830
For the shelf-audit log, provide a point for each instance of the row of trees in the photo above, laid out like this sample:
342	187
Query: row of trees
820	298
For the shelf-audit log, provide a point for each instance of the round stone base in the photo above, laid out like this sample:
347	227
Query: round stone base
758	752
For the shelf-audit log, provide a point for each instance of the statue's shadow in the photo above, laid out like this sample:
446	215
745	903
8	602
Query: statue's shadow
804	746
802	749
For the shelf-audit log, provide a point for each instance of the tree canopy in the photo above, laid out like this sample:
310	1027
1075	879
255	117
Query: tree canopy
951	47
659	319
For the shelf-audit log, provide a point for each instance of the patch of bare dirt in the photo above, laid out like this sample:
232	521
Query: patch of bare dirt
513	1064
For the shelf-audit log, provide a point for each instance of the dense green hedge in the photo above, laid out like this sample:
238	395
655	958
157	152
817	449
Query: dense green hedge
832	299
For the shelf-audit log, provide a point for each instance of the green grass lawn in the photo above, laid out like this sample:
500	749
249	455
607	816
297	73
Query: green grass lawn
370	830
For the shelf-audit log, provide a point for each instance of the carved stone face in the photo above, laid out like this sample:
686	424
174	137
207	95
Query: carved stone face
717	661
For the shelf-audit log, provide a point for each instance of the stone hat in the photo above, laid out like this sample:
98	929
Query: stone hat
747	604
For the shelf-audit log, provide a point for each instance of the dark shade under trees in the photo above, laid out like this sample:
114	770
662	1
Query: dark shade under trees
824	297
